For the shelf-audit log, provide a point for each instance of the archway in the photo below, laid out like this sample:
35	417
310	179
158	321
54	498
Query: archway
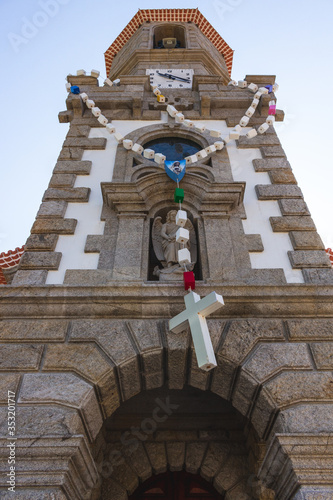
176	486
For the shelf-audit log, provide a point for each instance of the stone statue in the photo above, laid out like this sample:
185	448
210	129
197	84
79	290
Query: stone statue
166	248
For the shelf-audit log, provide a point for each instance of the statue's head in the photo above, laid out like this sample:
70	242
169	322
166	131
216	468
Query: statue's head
171	216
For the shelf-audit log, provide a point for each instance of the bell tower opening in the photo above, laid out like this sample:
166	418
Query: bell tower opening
169	36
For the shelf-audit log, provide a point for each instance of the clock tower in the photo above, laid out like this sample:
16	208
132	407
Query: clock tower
171	179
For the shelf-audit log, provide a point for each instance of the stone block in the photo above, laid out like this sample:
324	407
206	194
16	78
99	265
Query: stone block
267	164
20	356
233	470
223	377
54	226
41	242
109	394
78	131
310	329
269	359
254	243
111	489
293	207
62	180
40	260
48	330
73	167
244	392
35	494
305	240
33	278
111	335
292	223
176	455
129	378
194	455
8	382
282	176
197	378
74	154
272	152
83	359
85	143
64	389
52	209
306	418
157	457
146	334
264	412
94	243
314	493
75	195
243	335
309	258
318	276
276	191
178	344
138	460
216	454
323	354
259	140
300	387
153	368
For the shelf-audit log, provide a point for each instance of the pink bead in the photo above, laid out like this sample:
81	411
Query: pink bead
272	110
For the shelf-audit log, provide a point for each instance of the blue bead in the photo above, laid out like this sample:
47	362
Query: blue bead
75	89
270	88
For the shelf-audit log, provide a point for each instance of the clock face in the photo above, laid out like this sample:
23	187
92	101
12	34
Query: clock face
171	78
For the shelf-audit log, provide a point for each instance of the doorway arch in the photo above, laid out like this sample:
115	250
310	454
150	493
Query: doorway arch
176	486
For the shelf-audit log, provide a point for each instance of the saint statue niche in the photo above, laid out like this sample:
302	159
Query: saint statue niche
166	247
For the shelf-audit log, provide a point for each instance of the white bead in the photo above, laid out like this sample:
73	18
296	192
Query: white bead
137	148
249	112
188	123
96	111
128	144
110	128
244	121
194	158
263	90
199	127
68	87
257	95
210	149
84	97
171	110
270	119
182	235
149	153
234	134
255	103
233	82
80	72
157	91
242	84
119	138
251	133
263	128
102	120
215	133
202	154
90	103
179	117
159	158
253	87
107	81
181	218
227	139
272	103
188	160
219	145
275	87
184	256
116	82
94	73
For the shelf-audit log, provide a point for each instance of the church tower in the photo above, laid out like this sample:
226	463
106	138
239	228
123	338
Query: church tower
171	184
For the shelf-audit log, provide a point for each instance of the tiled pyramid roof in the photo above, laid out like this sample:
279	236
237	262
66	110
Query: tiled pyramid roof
171	15
8	260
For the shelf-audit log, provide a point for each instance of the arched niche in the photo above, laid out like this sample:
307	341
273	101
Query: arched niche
168	30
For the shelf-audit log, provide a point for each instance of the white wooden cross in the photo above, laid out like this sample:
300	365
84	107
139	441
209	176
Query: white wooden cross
196	311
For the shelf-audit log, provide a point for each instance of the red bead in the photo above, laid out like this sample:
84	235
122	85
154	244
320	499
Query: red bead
189	280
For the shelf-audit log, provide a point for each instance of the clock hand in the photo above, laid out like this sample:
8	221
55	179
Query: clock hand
173	77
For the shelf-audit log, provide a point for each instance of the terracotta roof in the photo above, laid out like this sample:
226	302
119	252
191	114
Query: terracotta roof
11	258
330	254
170	15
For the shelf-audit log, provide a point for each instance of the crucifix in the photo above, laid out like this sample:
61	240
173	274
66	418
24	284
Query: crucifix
195	313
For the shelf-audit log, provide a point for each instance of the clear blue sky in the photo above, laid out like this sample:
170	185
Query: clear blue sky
291	39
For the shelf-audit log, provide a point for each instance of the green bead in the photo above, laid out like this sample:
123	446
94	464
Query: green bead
179	195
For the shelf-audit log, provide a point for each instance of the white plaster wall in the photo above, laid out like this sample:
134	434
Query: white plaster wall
276	245
88	214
